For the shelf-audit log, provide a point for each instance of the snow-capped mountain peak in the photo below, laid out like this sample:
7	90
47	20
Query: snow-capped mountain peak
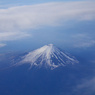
48	56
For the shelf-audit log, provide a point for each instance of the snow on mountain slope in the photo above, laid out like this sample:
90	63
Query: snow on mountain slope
48	56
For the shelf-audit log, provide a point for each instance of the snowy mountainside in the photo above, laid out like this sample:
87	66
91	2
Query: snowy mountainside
47	56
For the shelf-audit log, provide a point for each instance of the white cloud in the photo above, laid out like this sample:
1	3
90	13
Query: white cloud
87	87
25	17
92	61
86	44
6	36
22	18
82	40
2	45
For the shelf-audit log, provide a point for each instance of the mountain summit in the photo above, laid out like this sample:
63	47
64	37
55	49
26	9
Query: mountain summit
48	56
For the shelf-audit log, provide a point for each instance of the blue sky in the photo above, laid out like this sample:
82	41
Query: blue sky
30	24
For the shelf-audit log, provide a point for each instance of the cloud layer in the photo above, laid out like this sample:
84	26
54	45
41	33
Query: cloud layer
2	45
16	21
87	87
34	16
83	40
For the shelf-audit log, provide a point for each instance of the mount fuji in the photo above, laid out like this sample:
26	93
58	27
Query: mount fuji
48	56
52	71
